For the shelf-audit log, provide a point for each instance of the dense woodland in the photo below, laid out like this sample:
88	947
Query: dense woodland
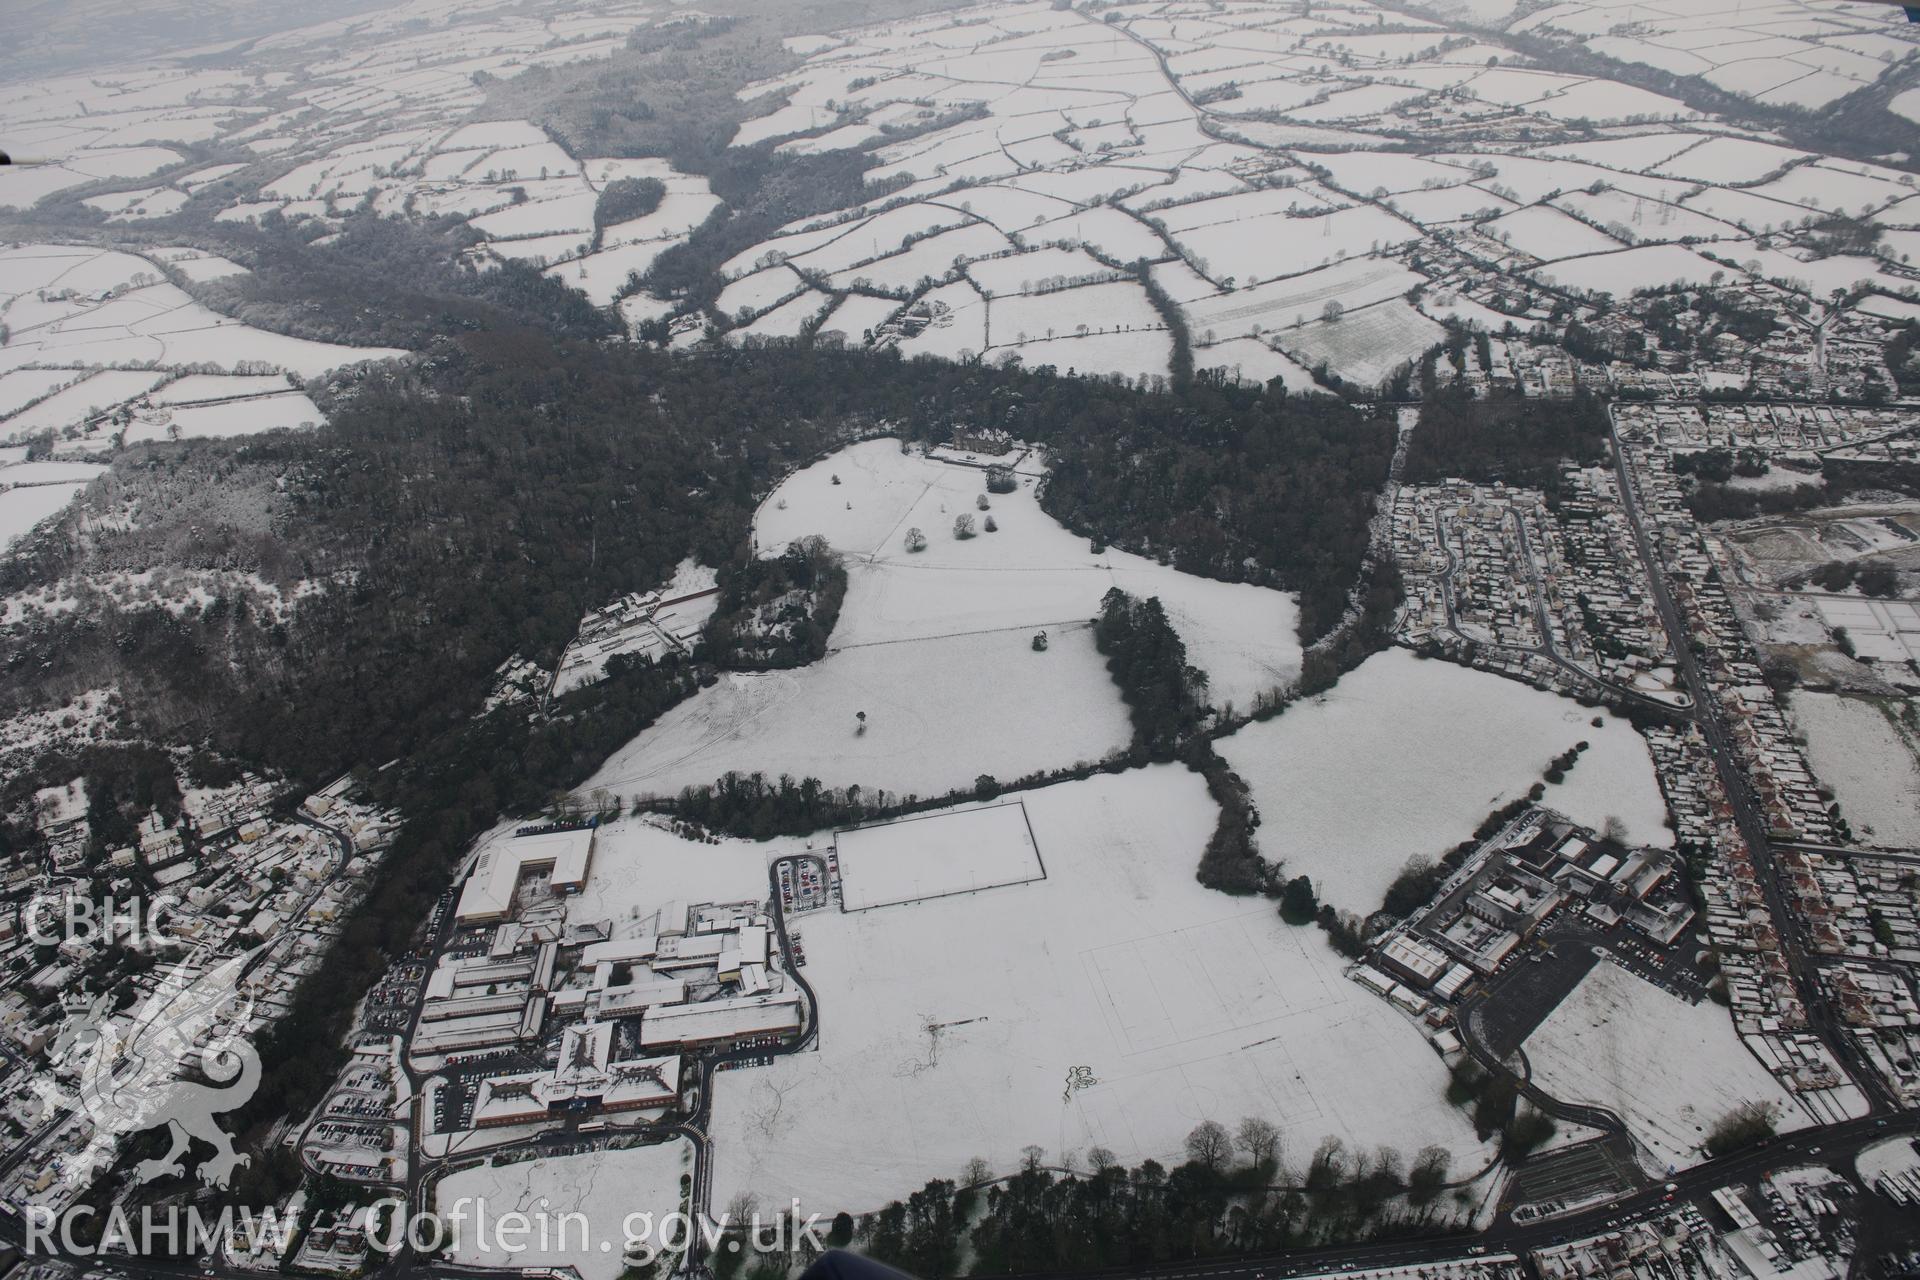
448	532
1231	862
476	504
1147	659
778	612
389	282
764	192
1521	440
625	199
1843	481
672	90
1903	358
1229	482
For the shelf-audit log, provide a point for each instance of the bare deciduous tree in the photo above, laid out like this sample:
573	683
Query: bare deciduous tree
1259	1140
1208	1145
1428	1175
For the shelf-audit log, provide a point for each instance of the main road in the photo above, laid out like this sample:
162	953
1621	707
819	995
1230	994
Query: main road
1733	781
1832	1144
1827	1145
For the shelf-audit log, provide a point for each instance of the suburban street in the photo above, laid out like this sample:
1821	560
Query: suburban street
1733	780
1536	589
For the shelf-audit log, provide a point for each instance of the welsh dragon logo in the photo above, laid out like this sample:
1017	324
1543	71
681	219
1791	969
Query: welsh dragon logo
130	1076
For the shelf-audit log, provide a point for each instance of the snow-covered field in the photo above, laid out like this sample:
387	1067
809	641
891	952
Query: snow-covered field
1404	757
931	856
857	317
93	312
953	1028
761	290
1630	269
1250	360
291	409
1871	767
1040	269
369	110
201	267
1670	1069
789	319
23	507
1273	245
76	305
1020	318
1128	354
939	714
1030	574
1548	234
22	187
1272	181
1363	346
208	388
1069	134
22	387
936	646
1297	299
604	1187
82	395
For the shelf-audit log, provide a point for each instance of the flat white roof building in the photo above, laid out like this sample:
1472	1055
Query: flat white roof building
467	1034
643	947
488	895
695	950
732	1018
644	992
